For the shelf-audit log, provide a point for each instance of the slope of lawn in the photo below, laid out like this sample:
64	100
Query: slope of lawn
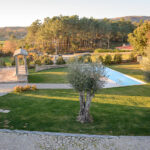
58	75
116	111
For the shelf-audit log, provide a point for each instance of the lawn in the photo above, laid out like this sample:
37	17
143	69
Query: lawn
116	111
7	60
58	75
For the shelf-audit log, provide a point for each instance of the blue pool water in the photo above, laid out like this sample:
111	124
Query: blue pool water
121	78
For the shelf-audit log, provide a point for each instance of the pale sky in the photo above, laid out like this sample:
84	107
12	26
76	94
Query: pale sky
24	12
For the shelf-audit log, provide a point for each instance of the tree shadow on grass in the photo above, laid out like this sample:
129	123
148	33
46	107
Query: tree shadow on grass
57	115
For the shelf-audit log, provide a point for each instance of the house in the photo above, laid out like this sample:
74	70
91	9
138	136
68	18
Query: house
125	47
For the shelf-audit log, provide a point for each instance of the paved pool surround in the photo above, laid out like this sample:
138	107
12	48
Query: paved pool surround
27	140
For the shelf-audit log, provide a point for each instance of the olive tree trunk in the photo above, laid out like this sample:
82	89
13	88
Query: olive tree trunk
84	113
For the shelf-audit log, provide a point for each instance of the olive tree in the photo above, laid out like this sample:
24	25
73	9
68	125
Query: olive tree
86	79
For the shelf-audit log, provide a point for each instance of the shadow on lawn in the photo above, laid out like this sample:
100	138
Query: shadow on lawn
57	115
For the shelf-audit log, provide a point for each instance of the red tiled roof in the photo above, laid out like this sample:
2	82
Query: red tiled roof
125	47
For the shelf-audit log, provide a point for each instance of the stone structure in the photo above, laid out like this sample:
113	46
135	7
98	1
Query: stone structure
21	70
27	140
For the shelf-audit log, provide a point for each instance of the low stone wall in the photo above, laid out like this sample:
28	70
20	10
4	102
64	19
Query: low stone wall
45	67
25	140
8	75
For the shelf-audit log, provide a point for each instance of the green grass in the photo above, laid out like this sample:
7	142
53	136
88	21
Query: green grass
116	111
7	60
58	75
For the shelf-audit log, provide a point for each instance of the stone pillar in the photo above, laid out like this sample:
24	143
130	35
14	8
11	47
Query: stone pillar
16	60
25	63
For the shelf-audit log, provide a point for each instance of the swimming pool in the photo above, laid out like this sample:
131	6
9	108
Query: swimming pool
121	79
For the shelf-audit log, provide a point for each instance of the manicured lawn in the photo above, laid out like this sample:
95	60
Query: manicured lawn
116	111
59	75
48	76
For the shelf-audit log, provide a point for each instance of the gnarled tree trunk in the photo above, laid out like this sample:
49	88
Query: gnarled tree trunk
84	114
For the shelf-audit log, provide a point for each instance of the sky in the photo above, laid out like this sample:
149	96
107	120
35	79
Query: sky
24	12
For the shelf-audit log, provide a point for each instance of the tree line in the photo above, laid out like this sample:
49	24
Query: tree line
71	33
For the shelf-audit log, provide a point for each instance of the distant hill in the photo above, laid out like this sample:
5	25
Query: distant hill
133	18
18	32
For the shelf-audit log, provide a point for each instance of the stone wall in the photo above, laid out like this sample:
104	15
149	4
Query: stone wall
45	67
25	140
8	75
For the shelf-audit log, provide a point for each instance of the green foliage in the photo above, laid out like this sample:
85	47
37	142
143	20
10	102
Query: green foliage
74	34
46	60
60	61
87	59
2	63
146	64
100	59
139	38
118	58
132	57
85	77
38	62
108	59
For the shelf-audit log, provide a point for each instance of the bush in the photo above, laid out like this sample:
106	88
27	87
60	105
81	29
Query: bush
46	61
108	60
87	59
60	61
13	63
2	63
117	58
71	60
100	59
100	50
19	89
37	62
132	57
80	58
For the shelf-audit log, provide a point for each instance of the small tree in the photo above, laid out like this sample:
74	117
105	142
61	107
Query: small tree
86	79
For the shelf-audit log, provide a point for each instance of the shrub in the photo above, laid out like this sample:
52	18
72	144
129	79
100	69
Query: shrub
60	61
2	63
33	87
37	61
87	59
132	57
100	50
100	59
13	63
71	60
19	89
46	61
108	60
118	58
80	58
